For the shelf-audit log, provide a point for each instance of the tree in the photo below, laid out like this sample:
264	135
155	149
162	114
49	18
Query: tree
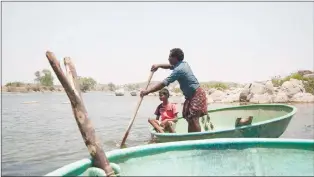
86	83
44	77
111	86
37	79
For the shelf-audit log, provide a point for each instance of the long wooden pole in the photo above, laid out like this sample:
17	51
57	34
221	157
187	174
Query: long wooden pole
71	87
137	108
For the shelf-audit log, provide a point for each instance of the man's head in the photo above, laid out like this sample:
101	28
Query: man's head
176	55
164	94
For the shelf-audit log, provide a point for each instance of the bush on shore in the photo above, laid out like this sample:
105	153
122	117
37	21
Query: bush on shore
219	86
307	82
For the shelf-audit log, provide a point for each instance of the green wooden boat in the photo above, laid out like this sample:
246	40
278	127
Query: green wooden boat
214	157
269	121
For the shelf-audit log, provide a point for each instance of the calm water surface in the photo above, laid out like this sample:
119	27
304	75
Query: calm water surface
41	137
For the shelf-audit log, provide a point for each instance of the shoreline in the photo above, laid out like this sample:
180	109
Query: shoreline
175	97
296	88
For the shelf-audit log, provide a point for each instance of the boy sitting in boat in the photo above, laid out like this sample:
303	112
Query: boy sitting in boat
167	112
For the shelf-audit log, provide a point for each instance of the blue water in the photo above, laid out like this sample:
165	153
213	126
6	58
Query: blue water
41	137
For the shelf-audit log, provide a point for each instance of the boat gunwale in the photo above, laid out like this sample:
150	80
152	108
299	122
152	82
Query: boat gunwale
286	116
222	142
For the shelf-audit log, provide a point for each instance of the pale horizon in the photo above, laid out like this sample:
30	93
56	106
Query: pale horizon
231	42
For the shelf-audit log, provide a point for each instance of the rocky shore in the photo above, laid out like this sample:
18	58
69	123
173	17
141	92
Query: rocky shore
290	91
282	90
31	88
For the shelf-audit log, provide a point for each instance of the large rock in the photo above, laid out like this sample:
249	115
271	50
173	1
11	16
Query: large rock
309	76
261	98
292	87
245	93
211	90
254	89
209	99
231	98
276	89
258	88
304	72
269	87
302	98
233	91
217	95
280	97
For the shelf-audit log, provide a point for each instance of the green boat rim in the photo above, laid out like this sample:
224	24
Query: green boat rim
217	141
294	110
198	143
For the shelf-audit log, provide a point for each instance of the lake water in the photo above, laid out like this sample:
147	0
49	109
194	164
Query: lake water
41	137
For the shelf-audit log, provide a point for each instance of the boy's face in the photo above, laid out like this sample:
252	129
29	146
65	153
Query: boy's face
162	97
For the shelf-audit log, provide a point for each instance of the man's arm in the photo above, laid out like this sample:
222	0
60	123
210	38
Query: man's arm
156	87
165	66
173	77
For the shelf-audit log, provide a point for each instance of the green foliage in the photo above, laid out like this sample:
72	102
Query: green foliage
309	85
44	78
216	85
86	83
277	81
307	82
15	84
111	86
176	90
131	87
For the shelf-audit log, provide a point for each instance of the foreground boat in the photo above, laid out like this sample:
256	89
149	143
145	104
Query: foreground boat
269	121
215	157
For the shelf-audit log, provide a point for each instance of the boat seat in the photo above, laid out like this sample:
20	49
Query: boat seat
243	121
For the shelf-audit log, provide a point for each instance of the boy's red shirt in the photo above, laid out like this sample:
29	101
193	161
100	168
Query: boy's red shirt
168	111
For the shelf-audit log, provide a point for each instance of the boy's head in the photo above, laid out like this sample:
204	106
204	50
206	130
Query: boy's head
176	55
163	94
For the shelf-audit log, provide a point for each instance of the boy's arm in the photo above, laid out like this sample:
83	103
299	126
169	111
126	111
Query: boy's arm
157	113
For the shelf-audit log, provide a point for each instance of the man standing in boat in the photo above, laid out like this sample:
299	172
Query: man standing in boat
195	105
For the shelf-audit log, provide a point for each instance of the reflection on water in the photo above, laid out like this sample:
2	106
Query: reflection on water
42	136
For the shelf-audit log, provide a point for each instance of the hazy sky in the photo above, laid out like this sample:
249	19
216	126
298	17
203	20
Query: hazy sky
119	42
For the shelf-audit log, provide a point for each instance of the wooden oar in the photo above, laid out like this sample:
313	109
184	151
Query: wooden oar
137	107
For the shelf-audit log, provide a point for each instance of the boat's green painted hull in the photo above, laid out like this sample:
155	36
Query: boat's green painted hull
269	121
238	156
